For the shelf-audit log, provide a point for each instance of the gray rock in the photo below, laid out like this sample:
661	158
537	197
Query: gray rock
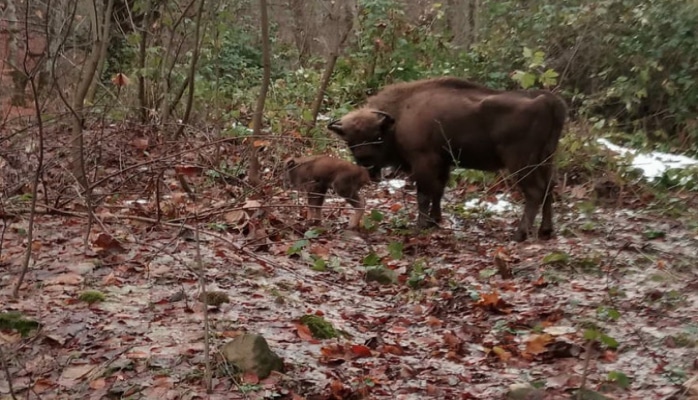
251	353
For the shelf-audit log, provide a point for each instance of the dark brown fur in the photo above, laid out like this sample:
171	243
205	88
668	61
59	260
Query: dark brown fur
427	126
316	174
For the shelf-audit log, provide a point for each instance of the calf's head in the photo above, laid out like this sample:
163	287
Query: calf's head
365	130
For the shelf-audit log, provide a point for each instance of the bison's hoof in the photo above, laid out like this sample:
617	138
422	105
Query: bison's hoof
427	224
545	233
520	236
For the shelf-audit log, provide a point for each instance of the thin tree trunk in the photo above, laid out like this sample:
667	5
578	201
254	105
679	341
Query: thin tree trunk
329	69
142	101
81	91
254	169
192	71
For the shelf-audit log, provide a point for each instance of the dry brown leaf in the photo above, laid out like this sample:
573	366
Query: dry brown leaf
536	344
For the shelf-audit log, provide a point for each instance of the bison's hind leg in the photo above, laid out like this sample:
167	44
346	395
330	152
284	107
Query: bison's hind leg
534	187
546	226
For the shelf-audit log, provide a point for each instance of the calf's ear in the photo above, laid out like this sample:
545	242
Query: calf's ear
290	163
336	127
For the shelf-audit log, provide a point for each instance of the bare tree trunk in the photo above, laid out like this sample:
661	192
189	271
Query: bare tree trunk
19	78
192	71
462	21
142	101
169	59
87	74
254	169
39	159
90	98
300	29
331	62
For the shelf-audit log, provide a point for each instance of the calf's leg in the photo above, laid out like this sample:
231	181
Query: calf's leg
316	197
352	196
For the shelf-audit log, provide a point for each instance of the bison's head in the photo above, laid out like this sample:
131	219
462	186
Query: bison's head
364	130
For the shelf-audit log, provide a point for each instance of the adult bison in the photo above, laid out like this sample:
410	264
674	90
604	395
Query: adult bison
426	126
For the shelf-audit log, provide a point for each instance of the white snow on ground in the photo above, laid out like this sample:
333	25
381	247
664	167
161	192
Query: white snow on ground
501	205
652	164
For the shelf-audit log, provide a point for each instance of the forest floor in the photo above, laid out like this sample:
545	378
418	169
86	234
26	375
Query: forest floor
609	304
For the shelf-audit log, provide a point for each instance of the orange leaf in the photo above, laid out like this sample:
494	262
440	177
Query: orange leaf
140	143
250	377
451	340
261	143
98	384
536	345
489	299
433	321
188	170
304	333
390	349
337	387
360	350
120	80
501	353
395	207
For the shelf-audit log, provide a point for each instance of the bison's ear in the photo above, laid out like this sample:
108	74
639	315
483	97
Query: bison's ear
386	120
336	127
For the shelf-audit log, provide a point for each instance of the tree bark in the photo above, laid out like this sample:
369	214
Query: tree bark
77	151
192	71
142	101
329	66
254	168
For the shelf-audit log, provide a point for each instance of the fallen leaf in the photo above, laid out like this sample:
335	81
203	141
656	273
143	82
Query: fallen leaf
361	351
304	333
536	344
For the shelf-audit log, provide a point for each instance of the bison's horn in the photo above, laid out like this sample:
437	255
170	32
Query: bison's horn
335	126
388	117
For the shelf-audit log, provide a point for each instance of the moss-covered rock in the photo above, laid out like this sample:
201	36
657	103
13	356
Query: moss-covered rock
14	320
382	275
92	296
251	353
320	328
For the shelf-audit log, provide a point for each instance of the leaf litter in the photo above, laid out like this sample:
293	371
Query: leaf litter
471	314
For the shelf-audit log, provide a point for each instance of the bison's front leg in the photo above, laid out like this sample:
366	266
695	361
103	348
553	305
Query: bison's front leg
424	221
438	187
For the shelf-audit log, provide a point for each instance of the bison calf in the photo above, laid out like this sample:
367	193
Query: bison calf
316	174
424	127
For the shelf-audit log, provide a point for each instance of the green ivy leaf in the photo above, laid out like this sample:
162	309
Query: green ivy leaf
556	257
525	79
297	247
319	265
395	250
371	260
619	378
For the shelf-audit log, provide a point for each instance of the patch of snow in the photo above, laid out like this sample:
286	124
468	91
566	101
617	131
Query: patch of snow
501	205
139	201
392	184
652	164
